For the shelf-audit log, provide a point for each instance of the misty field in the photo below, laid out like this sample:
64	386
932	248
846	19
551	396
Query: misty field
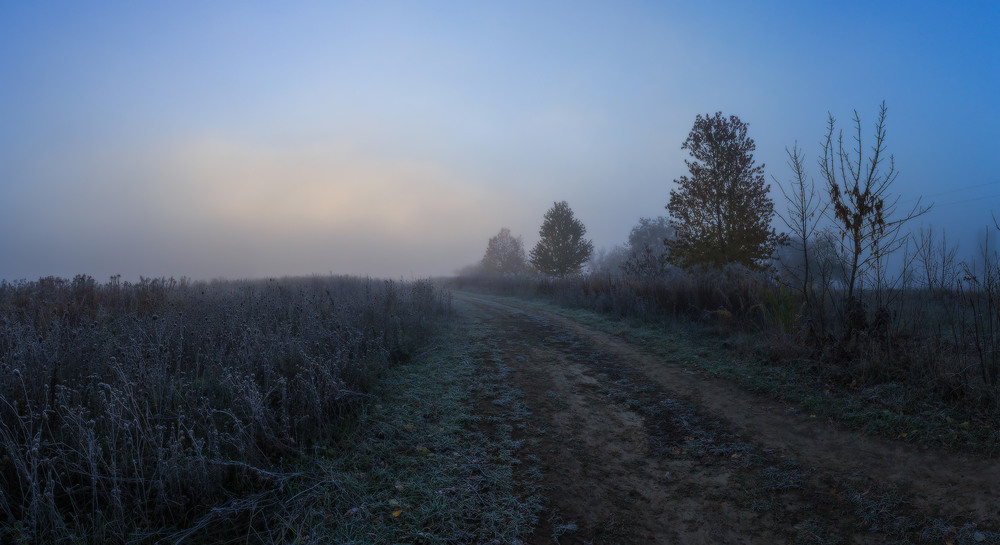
161	409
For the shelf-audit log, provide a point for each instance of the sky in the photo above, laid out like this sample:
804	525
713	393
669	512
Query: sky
393	139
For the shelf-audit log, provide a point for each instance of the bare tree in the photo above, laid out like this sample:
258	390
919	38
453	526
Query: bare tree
863	207
936	259
981	291
805	209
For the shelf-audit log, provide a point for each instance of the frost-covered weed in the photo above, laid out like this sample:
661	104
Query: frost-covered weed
127	408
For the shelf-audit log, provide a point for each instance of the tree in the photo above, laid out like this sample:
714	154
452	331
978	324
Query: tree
805	208
561	248
504	255
938	266
722	212
648	254
608	261
863	208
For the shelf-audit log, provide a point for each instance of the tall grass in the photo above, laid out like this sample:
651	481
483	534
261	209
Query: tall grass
729	295
132	410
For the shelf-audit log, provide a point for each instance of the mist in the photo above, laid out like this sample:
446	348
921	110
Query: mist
393	141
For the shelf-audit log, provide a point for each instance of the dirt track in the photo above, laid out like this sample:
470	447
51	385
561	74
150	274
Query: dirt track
635	449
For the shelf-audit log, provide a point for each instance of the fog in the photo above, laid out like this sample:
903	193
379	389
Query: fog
393	141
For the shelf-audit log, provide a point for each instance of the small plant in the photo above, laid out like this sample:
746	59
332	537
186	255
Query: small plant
781	309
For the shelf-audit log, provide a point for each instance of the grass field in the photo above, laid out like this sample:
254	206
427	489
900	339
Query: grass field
161	409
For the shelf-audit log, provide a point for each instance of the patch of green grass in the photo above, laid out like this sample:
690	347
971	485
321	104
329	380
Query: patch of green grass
420	465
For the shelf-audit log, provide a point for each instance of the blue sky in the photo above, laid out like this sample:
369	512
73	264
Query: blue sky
246	139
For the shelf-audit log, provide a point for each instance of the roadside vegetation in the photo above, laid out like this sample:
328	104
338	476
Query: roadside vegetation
922	366
183	411
854	314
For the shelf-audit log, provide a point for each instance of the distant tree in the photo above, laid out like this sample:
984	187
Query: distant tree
722	211
608	261
648	254
937	260
504	255
805	209
827	270
863	208
561	248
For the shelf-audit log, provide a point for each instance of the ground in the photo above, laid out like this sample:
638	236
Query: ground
628	447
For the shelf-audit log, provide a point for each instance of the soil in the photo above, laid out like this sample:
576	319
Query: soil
636	449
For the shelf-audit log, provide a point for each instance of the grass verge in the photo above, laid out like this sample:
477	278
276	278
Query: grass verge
421	464
890	410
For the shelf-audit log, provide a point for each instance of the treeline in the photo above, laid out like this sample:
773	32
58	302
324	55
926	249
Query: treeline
134	412
851	288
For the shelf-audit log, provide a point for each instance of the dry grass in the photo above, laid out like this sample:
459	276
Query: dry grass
131	411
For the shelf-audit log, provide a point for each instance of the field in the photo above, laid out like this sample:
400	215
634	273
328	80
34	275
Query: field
165	410
346	410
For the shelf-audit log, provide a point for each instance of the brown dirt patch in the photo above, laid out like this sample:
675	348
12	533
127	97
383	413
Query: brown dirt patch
638	450
616	473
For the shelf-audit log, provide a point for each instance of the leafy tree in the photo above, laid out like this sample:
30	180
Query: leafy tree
722	212
504	255
561	248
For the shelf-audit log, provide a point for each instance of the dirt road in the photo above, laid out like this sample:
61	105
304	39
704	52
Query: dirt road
635	449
